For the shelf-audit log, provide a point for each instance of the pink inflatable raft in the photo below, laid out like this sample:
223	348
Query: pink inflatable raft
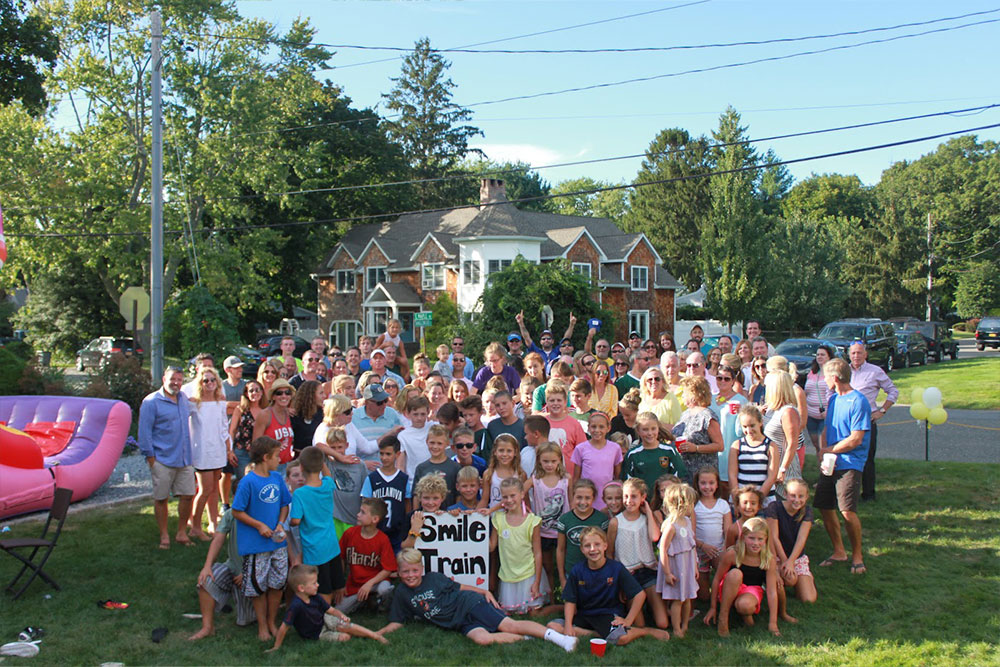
83	438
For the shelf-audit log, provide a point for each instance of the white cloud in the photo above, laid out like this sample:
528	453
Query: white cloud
533	155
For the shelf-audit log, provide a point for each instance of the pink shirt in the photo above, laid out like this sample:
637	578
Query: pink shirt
869	379
597	465
567	433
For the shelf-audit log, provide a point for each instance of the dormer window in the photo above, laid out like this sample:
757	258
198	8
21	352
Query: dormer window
640	278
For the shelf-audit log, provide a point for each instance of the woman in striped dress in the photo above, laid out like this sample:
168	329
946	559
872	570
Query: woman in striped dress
753	459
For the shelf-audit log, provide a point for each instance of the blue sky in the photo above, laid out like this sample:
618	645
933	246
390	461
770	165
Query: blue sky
918	75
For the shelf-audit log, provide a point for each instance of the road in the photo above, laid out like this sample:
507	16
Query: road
969	436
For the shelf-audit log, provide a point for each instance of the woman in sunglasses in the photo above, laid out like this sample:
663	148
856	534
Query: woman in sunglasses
211	447
241	425
337	413
605	396
656	398
275	421
268	372
758	371
727	405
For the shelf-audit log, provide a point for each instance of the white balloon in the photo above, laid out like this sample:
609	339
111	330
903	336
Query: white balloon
932	397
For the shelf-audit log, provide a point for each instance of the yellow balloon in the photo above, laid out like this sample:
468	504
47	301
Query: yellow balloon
919	411
937	416
917	395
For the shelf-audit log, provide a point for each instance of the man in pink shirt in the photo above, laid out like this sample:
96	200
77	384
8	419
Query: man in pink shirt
868	379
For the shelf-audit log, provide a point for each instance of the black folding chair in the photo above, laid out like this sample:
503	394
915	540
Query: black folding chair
45	544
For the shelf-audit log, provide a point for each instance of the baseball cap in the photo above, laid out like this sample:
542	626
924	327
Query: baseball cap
564	341
378	350
513	335
232	362
374	392
634	334
545	331
619	345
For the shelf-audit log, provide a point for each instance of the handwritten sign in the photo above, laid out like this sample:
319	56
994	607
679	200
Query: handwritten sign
457	547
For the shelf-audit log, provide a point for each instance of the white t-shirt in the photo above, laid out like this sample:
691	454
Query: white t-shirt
413	442
709	522
528	460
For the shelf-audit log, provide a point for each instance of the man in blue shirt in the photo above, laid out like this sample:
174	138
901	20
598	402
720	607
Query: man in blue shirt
847	435
165	441
376	419
548	350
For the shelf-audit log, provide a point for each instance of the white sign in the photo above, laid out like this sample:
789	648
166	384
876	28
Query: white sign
457	547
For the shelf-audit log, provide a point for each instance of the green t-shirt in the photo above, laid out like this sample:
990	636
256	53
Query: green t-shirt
650	464
624	383
571	525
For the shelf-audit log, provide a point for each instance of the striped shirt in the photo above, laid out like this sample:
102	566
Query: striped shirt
752	462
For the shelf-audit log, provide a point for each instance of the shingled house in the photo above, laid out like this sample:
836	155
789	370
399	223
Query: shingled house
397	268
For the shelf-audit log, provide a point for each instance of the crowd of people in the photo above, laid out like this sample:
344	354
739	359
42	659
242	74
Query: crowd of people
626	471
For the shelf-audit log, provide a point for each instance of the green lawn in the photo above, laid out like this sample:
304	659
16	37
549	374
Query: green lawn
930	596
972	384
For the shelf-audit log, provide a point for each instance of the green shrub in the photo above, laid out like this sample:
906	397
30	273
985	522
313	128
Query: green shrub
11	368
122	378
38	380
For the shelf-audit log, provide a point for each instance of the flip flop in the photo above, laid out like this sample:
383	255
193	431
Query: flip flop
832	561
165	545
858	568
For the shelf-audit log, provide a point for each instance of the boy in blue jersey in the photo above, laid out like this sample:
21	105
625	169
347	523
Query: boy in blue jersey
593	594
388	483
260	504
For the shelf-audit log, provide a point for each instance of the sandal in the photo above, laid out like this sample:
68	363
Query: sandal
858	568
832	561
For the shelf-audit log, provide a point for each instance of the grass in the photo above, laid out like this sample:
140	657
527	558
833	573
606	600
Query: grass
929	598
970	384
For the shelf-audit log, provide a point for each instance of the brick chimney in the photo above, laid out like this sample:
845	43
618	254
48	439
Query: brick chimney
491	190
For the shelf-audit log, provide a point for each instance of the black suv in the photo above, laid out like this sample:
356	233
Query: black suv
877	335
939	340
270	345
988	333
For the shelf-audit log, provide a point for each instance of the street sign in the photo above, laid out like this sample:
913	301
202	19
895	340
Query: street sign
423	319
134	307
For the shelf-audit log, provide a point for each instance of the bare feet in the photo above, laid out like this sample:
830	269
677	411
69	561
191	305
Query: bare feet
662	635
201	535
182	538
264	636
164	543
201	634
382	640
723	627
748	621
788	618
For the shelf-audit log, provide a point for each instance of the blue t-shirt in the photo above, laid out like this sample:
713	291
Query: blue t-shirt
314	506
307	617
478	462
850	412
262	498
598	592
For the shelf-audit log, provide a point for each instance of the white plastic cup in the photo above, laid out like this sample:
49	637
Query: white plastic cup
828	464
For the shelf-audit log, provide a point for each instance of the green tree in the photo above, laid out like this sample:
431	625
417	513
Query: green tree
828	196
773	183
432	129
978	291
444	314
672	215
67	307
525	286
194	321
28	45
519	182
734	253
611	204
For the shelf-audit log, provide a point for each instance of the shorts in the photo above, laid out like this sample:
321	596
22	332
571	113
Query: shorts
815	426
222	587
549	543
756	591
841	490
645	576
265	571
599	623
704	562
483	615
330	575
207	469
333	629
168	480
382	593
228	469
801	566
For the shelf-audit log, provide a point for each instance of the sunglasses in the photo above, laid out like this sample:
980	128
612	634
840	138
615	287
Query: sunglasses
654	379
464	445
254	390
694	364
456	344
208	381
723	378
588	362
760	365
348	412
381	402
623	364
282	392
600	373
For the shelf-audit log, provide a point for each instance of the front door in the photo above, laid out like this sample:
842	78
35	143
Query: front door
408	334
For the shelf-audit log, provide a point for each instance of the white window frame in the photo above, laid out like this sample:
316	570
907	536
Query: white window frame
349	277
501	265
377	316
472	272
437	281
640	274
334	335
585	269
634	325
369	285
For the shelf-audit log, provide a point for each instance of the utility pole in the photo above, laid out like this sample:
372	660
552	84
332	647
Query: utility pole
156	222
930	266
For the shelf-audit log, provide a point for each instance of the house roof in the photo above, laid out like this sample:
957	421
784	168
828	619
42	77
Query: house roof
400	294
403	238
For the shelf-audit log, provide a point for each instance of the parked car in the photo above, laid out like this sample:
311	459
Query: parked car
708	342
938	337
878	336
98	351
251	358
270	345
911	348
802	353
988	333
899	323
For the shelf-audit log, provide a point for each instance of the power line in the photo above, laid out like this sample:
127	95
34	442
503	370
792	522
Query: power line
744	63
515	170
636	49
609	188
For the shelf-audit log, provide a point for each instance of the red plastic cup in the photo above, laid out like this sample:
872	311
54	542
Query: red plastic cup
734	408
598	647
